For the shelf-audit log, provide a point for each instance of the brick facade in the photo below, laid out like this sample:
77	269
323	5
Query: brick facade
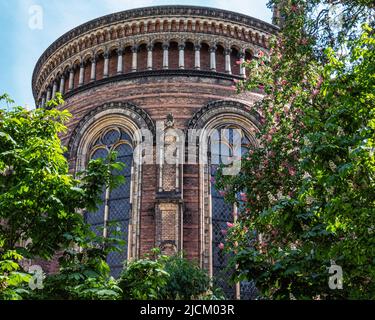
171	207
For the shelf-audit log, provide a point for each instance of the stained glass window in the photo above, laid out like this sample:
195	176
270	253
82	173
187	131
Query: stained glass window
224	147
116	201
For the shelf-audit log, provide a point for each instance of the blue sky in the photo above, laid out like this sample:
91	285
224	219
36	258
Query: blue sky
22	45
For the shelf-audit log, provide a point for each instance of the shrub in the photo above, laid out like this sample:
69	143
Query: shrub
165	278
186	280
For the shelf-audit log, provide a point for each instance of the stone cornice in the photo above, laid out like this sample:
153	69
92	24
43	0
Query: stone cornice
152	73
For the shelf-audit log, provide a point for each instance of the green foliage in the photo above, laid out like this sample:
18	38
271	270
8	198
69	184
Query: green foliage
309	188
39	200
165	278
11	278
41	204
143	279
186	279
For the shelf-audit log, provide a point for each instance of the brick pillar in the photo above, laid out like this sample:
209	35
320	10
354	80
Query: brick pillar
169	205
168	226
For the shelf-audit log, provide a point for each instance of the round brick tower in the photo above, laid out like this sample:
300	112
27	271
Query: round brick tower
169	65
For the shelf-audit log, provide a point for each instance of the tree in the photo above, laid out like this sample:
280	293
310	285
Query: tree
41	202
309	188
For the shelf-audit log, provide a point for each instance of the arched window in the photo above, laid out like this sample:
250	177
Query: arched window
226	143
115	209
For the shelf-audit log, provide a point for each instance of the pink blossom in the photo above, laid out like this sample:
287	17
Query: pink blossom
236	81
320	81
271	154
277	118
230	225
222	193
315	92
260	53
261	87
265	163
221	246
294	8
290	135
292	172
243	196
268	138
224	232
238	62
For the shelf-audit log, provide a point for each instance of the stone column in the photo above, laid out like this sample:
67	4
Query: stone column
106	65
48	94
242	68
43	100
93	69
165	56
149	57
120	58
81	74
181	56
71	79
197	49
54	89
62	84
213	58
135	59
228	67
